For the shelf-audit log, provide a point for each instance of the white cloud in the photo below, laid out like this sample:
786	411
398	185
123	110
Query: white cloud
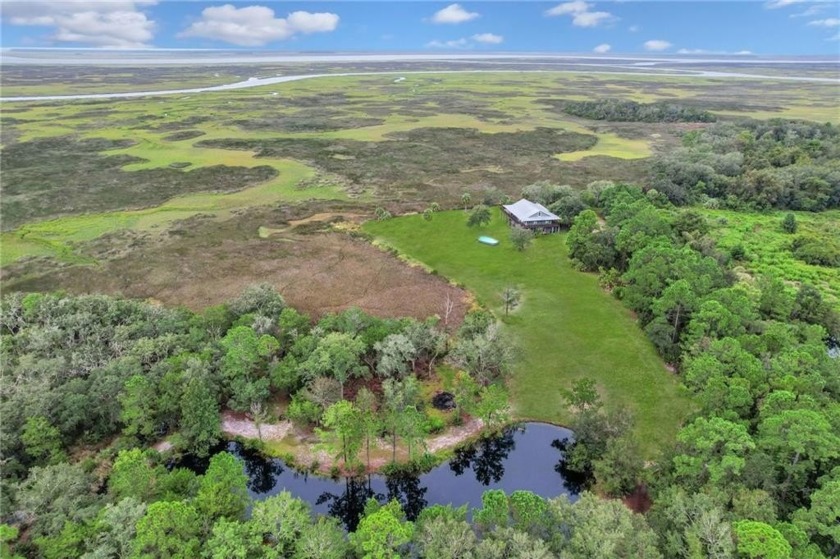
813	10
603	48
830	22
633	28
455	44
774	4
114	24
657	45
578	10
591	19
834	38
575	7
254	26
706	51
308	22
465	43
453	13
488	38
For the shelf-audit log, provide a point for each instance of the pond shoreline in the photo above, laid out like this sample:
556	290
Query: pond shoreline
301	451
302	455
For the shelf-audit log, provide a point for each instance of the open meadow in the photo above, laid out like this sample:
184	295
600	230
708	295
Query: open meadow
566	328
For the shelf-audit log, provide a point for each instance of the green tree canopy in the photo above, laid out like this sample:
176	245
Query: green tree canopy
383	533
224	491
479	216
169	530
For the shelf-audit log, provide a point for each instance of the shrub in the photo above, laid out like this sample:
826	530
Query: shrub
738	252
434	425
789	223
302	412
817	253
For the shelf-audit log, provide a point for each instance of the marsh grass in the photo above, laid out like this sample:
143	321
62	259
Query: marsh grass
59	237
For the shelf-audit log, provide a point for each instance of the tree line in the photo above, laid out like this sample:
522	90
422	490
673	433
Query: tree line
622	110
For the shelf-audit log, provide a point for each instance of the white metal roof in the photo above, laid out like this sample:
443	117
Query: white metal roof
525	211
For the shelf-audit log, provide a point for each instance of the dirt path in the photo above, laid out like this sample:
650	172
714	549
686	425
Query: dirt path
236	425
455	436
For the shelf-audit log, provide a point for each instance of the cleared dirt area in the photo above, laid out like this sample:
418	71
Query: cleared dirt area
237	425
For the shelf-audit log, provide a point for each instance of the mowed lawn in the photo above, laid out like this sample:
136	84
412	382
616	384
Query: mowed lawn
566	328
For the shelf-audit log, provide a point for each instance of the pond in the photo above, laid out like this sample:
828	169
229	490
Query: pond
525	457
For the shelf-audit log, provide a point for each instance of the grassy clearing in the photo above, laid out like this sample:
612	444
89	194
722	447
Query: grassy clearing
567	327
57	237
768	248
611	145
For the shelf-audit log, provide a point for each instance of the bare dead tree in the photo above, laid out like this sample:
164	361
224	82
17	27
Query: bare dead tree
448	307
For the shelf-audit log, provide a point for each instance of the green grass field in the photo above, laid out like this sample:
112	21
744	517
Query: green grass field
768	248
565	329
611	145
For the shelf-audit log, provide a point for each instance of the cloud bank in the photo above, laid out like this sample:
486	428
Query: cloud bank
255	26
114	24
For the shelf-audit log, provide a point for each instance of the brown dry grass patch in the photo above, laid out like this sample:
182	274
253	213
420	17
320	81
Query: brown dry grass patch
316	273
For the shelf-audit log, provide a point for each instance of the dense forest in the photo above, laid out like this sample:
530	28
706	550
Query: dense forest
621	110
754	165
762	447
79	371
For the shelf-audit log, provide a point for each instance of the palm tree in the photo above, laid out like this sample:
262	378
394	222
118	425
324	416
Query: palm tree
466	199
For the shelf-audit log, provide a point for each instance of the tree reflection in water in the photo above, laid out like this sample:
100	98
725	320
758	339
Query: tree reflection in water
262	472
349	506
407	490
573	481
485	458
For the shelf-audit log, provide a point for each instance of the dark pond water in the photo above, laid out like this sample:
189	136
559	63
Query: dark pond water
526	457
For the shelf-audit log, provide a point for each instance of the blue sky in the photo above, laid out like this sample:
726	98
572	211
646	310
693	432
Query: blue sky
791	27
